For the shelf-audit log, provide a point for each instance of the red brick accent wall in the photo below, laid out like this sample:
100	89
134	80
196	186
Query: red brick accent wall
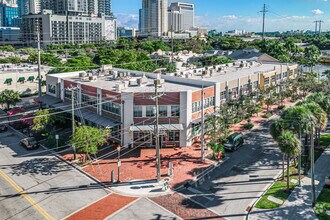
169	98
89	90
68	84
112	95
209	92
198	115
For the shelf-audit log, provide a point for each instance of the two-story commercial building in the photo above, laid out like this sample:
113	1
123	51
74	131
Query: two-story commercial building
124	101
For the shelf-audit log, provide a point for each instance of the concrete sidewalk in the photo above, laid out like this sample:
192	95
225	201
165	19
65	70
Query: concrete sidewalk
143	188
298	205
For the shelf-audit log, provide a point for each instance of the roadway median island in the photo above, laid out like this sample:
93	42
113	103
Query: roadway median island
277	192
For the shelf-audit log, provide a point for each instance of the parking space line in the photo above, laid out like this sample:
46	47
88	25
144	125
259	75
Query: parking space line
26	196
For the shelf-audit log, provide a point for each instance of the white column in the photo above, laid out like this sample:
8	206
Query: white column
185	117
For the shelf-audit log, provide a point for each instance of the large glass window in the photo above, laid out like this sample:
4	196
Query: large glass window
223	95
67	94
273	79
175	111
51	89
162	111
150	112
111	107
88	100
266	81
173	136
137	111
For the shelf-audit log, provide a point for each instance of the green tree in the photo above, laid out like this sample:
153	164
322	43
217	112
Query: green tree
9	97
290	145
311	57
42	120
276	129
88	139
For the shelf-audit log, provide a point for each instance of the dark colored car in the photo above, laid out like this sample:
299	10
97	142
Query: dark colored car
3	128
234	141
30	143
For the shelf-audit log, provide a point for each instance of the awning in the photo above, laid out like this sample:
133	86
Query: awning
48	100
88	115
21	79
31	78
9	80
161	127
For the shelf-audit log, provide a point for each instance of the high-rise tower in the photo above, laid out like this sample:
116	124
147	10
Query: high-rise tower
153	17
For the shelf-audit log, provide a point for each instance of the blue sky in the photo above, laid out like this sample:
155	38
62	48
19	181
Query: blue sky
226	15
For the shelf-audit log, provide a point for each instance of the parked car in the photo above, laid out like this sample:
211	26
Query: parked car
234	141
15	111
3	128
30	143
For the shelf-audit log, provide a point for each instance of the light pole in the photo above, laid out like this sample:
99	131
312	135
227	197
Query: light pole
118	163
202	123
56	138
312	159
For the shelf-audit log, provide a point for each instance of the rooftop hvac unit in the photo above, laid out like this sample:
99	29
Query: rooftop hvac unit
92	78
82	74
142	81
118	87
133	82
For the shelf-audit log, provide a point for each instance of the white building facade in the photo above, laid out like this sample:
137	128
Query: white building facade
153	18
181	16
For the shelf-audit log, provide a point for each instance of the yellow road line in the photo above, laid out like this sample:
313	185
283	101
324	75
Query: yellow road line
26	196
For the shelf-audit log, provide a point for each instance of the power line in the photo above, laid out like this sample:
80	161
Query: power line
264	11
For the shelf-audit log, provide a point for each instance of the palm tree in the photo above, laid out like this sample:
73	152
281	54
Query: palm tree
276	129
9	97
321	118
291	146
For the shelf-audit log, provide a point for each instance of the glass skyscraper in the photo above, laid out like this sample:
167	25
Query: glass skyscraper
8	15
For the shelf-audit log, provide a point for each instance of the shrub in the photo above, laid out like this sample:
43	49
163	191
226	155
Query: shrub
267	115
248	125
281	107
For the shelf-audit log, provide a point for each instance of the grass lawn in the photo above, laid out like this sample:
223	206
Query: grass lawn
325	140
278	190
323	204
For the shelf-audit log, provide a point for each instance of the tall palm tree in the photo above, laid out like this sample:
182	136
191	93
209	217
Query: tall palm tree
276	129
291	146
321	118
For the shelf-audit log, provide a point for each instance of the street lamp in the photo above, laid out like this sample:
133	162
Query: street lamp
118	163
56	138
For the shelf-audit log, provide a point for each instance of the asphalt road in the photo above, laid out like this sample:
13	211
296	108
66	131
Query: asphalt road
240	180
143	209
36	185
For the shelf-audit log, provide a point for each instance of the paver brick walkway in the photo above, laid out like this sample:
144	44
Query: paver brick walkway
184	208
141	165
102	208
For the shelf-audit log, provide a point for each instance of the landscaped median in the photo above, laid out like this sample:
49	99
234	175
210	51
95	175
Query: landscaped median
322	207
277	194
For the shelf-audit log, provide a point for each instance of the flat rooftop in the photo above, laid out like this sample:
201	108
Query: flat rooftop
223	73
127	83
22	68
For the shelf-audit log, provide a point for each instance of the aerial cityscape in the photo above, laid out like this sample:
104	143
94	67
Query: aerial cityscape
164	109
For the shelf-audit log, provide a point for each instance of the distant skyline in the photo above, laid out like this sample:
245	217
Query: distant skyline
224	15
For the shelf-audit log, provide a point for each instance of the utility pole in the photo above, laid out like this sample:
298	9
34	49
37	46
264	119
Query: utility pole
316	25
299	157
320	26
157	83
73	121
202	124
172	44
39	65
312	166
264	11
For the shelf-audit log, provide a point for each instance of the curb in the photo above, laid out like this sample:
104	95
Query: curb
105	187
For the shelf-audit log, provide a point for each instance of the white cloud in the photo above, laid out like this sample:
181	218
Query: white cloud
127	20
317	12
230	17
